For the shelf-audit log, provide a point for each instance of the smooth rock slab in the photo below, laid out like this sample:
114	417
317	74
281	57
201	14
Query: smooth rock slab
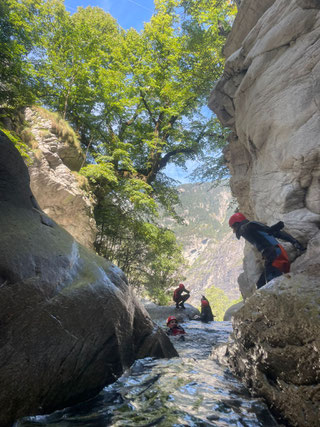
69	322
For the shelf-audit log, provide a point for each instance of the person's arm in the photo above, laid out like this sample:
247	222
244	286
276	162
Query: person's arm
288	238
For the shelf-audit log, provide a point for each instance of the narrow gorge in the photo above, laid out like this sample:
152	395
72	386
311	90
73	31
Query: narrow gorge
79	345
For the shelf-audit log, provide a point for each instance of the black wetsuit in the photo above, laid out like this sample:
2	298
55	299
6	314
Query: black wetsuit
262	237
206	314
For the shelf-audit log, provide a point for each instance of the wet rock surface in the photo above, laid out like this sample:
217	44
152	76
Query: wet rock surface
70	323
276	347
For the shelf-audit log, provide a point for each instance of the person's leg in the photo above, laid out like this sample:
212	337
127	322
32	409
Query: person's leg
183	299
270	272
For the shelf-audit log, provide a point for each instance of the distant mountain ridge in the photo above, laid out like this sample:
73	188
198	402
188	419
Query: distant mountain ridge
214	254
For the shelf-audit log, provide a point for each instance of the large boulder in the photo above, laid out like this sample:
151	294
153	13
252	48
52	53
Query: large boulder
70	323
276	347
269	95
160	314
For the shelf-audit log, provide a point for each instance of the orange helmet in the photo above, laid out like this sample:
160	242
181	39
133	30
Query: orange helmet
181	286
170	318
204	302
237	217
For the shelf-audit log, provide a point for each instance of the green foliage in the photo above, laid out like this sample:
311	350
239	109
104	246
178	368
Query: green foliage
18	143
219	302
134	99
148	254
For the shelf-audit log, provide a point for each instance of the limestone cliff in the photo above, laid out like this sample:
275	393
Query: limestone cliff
54	180
269	96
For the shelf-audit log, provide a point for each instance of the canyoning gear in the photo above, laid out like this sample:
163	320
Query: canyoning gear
237	217
263	238
282	262
181	286
170	318
204	302
176	330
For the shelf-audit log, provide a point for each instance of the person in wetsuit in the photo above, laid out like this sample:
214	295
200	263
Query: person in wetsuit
173	327
180	295
263	238
206	312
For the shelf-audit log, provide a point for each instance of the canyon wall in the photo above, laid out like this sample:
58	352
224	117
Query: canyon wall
269	95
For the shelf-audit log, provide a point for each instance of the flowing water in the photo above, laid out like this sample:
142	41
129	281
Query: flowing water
191	390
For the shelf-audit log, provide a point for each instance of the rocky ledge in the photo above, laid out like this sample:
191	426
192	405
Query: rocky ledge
276	347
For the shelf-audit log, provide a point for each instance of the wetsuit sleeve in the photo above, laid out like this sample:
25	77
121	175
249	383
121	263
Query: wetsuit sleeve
288	238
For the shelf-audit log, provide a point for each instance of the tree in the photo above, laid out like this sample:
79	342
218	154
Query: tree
136	100
15	44
219	301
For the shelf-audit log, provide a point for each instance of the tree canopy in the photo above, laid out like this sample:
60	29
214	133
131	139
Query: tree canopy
136	100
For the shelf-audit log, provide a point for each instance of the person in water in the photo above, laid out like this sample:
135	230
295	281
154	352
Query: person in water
206	312
180	295
263	238
173	328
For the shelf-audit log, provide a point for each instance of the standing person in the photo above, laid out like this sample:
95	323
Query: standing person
178	298
174	328
206	312
264	239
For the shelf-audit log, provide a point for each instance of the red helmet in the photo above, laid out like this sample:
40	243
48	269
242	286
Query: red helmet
237	217
181	286
170	318
204	302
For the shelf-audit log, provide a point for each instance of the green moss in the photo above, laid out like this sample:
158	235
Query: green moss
18	143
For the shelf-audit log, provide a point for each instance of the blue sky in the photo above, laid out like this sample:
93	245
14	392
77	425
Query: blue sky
129	13
132	13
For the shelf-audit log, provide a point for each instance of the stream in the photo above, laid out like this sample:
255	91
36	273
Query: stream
191	390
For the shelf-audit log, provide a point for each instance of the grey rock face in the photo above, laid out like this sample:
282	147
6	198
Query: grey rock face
69	321
269	95
232	311
55	187
277	344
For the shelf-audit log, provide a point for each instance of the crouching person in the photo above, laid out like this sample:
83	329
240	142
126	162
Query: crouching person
180	295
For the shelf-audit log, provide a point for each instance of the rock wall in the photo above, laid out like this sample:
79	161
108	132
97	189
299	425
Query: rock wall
53	183
70	324
276	348
269	96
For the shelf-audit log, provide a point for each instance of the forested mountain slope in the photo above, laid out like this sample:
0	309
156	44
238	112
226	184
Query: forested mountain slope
214	254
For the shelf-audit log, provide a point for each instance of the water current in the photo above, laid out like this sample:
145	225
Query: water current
191	390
